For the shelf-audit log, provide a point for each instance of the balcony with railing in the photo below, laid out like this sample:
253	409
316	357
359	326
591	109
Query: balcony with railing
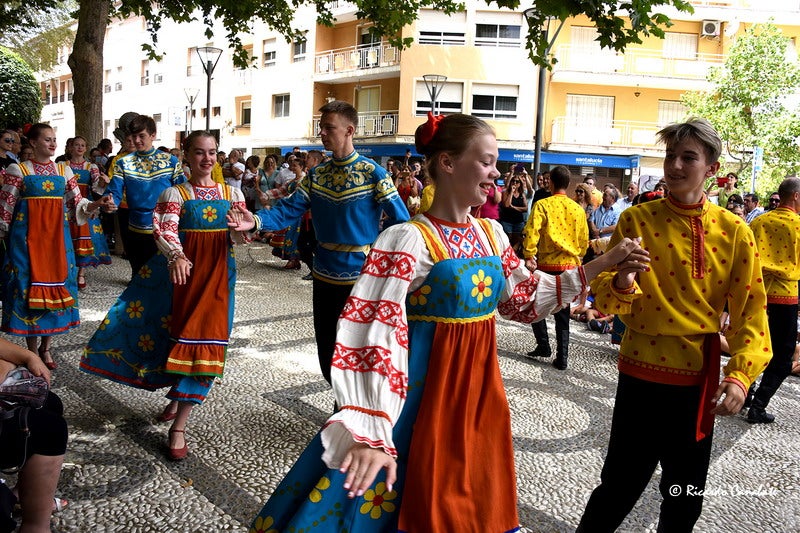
342	10
243	76
581	64
370	124
629	134
789	6
356	60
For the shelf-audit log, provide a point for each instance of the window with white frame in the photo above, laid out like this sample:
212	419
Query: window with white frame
498	29
194	67
248	50
280	105
449	100
588	55
298	51
145	72
589	120
270	54
670	112
244	112
680	45
436	27
495	101
157	120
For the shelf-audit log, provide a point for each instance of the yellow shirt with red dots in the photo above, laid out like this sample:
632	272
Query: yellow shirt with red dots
777	234
556	234
701	257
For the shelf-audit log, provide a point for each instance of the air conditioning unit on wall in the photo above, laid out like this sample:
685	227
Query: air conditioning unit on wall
710	28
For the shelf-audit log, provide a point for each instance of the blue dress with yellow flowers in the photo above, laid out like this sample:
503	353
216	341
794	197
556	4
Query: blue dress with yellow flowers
39	296
452	437
137	342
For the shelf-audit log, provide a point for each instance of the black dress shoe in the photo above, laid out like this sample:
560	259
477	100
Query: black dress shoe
759	416
559	364
541	351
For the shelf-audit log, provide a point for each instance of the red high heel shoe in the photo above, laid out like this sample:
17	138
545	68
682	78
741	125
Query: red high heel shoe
45	355
167	415
176	454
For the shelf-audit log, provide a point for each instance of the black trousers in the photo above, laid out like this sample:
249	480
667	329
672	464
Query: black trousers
306	242
652	423
782	320
328	302
139	248
562	329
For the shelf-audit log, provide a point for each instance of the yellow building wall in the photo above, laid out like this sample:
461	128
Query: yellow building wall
467	65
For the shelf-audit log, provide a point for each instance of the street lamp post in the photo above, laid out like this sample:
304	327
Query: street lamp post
209	56
540	94
191	95
434	83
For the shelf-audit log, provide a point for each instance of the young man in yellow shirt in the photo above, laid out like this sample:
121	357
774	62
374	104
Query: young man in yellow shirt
555	239
777	234
702	257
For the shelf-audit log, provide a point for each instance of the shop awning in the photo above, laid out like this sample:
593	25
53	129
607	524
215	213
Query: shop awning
570	159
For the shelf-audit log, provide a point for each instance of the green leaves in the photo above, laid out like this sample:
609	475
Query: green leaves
22	99
609	17
749	105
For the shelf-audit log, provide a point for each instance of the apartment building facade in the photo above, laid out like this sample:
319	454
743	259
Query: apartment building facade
602	108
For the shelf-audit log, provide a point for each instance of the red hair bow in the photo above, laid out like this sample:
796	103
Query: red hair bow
430	127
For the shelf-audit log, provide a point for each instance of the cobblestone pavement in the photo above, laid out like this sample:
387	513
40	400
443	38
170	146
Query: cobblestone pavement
272	400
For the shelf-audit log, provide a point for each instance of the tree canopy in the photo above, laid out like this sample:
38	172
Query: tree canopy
618	24
750	105
22	100
390	16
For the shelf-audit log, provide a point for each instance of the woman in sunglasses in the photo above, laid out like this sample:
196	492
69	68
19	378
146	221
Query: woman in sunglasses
37	200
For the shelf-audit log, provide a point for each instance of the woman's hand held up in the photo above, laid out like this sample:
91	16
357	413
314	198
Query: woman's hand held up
239	220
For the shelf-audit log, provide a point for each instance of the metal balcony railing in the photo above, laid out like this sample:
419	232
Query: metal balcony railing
337	6
620	133
243	76
785	6
371	124
634	62
356	58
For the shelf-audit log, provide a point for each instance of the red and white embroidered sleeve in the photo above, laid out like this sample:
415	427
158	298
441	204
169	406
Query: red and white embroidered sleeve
72	194
517	301
369	370
166	217
9	193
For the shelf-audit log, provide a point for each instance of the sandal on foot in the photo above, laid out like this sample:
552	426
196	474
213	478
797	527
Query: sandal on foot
81	282
45	355
176	454
59	504
167	415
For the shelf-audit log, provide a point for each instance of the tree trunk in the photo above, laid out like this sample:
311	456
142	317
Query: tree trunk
86	63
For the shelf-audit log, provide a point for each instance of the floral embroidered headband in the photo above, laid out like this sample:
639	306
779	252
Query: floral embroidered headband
428	130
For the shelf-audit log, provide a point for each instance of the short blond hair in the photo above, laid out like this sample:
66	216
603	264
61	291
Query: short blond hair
695	128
